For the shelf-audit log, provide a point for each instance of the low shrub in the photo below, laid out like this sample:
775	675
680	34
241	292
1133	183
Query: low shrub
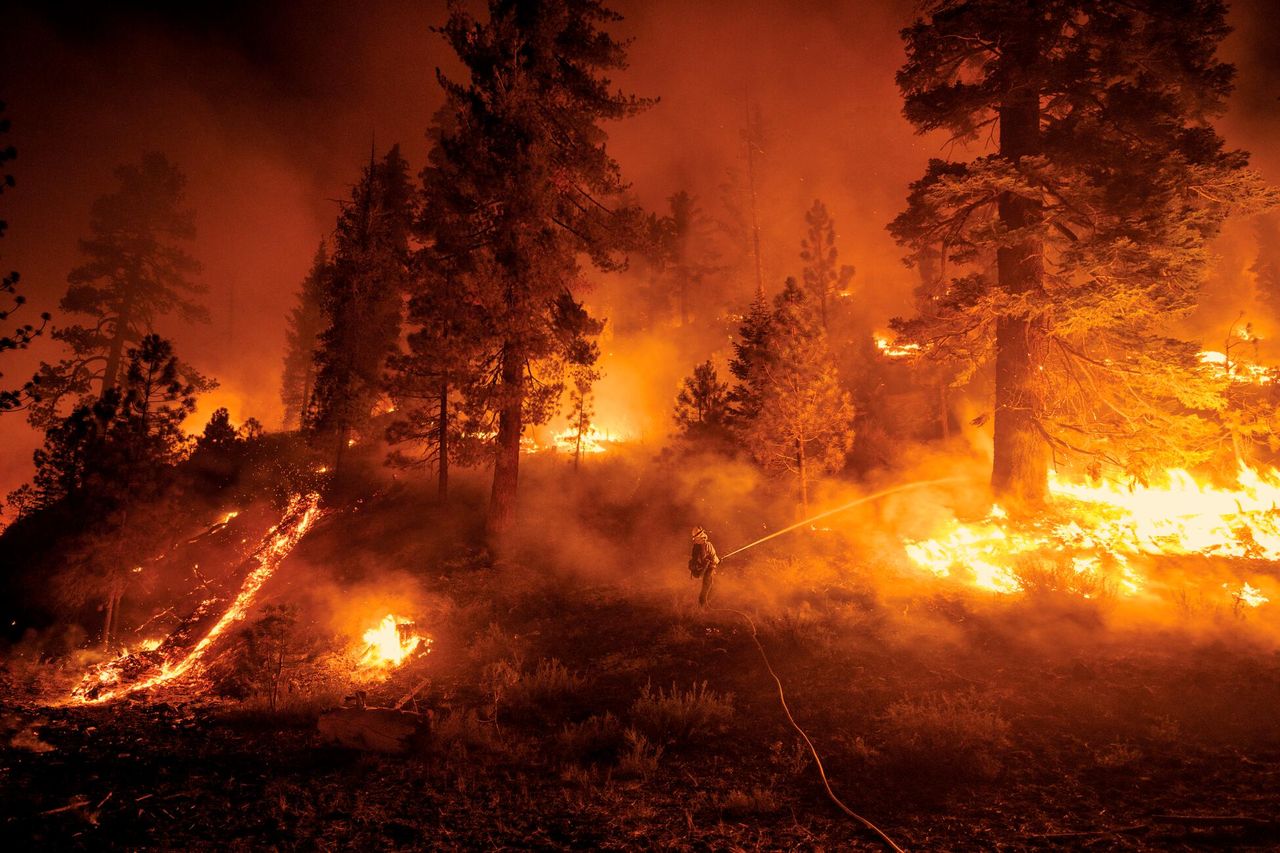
597	740
944	738
681	716
639	759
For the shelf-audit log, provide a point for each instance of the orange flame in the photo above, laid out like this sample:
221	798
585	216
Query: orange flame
390	643
300	514
1097	529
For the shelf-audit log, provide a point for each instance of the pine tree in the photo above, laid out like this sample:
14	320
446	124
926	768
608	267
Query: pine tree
22	335
581	406
525	169
702	406
135	271
826	280
430	384
804	424
105	466
1094	214
302	337
361	303
752	357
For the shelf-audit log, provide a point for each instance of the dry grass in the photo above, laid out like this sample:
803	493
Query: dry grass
945	738
681	716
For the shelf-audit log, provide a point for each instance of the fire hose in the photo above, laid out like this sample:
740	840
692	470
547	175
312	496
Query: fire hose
817	759
782	696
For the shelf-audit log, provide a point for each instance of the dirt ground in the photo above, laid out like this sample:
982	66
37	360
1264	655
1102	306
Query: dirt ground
951	725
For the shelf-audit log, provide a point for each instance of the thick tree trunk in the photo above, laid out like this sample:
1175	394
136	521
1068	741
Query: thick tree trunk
1020	466
442	443
115	353
506	466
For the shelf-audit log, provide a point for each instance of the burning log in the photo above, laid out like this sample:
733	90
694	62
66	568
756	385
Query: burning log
139	671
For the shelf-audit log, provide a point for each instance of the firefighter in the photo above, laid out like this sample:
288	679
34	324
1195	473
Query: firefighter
702	562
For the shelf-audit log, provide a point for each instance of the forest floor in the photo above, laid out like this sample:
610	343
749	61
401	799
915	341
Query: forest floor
574	714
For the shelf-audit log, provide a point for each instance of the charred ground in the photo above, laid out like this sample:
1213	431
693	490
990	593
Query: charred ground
605	710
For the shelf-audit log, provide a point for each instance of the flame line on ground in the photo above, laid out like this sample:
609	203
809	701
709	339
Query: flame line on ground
275	546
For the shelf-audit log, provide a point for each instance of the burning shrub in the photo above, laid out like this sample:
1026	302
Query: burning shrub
1050	575
682	716
944	738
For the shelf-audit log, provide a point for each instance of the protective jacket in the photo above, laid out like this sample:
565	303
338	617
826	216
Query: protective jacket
703	558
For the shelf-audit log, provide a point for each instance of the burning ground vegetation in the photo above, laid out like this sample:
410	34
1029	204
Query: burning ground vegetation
358	670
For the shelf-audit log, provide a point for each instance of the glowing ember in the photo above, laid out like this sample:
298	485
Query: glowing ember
891	349
1247	594
593	441
300	514
390	643
1098	529
1238	371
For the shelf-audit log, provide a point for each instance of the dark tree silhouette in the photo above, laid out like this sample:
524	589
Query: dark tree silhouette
302	338
361	303
702	406
135	271
19	337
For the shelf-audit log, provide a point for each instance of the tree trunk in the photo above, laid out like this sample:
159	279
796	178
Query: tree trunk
115	353
110	608
344	433
1020	466
442	443
506	467
305	404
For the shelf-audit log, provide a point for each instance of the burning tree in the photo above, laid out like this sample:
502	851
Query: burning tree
361	302
135	271
526	179
302	338
1069	249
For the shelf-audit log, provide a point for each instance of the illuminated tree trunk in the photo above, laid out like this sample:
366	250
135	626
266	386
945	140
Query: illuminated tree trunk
1020	466
506	466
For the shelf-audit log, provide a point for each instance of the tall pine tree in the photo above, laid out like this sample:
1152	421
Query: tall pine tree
527	183
302	338
361	301
135	270
825	278
1094	212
